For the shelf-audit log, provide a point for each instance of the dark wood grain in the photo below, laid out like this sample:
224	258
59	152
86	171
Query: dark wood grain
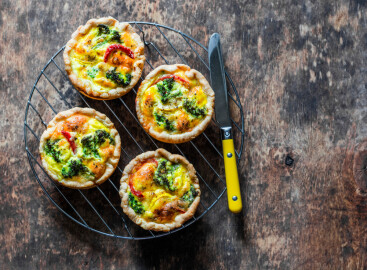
300	68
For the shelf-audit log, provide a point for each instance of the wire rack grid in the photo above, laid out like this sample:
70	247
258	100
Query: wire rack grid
99	209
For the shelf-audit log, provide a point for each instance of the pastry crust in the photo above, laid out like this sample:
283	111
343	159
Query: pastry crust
111	163
84	86
198	129
180	218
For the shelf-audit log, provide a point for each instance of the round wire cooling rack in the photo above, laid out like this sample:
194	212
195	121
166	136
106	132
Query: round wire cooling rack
98	209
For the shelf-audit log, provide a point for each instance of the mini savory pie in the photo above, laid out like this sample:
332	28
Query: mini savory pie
174	103
80	148
104	58
159	190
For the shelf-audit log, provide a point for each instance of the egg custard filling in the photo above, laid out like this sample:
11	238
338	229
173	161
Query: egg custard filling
78	150
158	190
174	103
103	57
93	60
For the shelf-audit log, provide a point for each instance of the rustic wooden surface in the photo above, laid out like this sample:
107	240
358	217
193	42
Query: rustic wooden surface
301	70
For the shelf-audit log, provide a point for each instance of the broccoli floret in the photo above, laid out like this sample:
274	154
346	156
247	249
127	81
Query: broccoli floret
103	29
165	88
159	118
191	107
51	149
163	176
108	36
118	78
92	72
190	195
101	136
91	143
115	36
135	204
89	147
75	167
163	121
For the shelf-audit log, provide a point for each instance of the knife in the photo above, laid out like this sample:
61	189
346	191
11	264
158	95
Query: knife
218	83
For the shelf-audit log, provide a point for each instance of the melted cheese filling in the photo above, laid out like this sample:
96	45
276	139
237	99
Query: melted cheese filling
80	127
154	199
87	58
180	111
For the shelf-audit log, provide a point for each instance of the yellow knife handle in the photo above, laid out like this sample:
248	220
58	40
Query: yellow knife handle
233	185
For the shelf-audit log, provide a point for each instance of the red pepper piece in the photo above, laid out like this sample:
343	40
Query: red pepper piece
180	210
133	191
152	160
68	138
114	47
175	77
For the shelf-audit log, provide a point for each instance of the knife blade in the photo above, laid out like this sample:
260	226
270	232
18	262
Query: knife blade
222	115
